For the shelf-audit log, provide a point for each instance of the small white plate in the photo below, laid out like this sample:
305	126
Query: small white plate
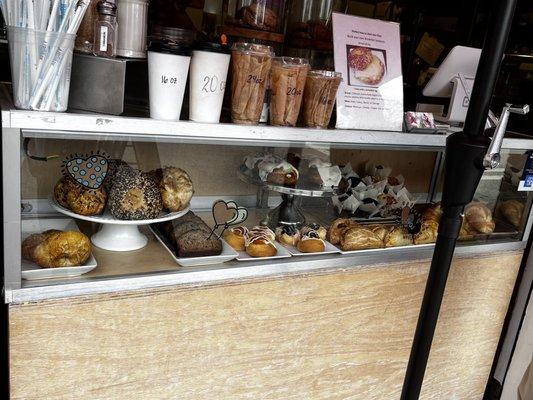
330	249
31	271
282	253
381	249
228	253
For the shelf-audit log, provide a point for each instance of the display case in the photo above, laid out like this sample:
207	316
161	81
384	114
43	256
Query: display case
387	184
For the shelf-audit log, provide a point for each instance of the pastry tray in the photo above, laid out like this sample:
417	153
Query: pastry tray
228	253
382	249
251	177
282	253
31	271
330	249
107	218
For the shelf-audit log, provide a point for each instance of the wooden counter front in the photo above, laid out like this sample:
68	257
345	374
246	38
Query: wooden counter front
344	334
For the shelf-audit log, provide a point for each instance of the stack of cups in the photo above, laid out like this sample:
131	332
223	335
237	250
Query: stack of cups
209	71
319	97
287	83
251	65
168	68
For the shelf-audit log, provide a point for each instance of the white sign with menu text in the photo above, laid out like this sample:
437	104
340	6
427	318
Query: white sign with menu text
367	53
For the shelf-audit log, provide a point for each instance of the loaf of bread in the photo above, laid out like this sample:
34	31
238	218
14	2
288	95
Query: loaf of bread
191	237
54	248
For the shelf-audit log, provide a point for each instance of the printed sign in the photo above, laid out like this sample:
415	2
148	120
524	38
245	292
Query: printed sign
367	53
526	182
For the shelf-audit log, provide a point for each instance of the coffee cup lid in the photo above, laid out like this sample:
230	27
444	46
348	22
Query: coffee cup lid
212	47
170	48
253	48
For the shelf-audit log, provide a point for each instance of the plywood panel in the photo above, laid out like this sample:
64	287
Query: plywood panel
338	335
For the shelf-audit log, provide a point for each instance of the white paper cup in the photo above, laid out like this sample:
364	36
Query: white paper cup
209	71
167	77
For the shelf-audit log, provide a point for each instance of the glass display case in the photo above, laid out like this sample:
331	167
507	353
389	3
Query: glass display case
143	193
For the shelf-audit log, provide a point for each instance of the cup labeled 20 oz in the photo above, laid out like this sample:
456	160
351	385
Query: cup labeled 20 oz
167	77
209	71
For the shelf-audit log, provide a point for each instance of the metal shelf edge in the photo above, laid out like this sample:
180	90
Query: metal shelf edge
237	271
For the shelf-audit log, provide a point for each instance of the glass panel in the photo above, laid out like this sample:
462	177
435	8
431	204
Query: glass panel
279	186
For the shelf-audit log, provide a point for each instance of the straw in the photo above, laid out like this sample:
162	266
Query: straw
42	62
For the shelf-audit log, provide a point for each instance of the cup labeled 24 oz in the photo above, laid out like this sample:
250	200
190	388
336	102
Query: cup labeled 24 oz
167	77
209	71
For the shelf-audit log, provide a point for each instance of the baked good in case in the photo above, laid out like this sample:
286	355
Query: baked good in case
512	211
262	231
337	229
311	243
277	172
61	189
191	237
55	248
260	246
175	186
236	237
398	236
85	201
380	230
322	232
479	217
287	234
428	232
433	212
112	168
135	195
359	238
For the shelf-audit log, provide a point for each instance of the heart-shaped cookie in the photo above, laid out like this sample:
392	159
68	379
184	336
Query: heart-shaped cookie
89	171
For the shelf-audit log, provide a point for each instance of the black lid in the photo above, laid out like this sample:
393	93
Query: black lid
179	49
212	47
106	8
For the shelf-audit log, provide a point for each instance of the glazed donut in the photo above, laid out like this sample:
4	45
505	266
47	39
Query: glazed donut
235	237
53	249
287	234
337	229
260	246
311	243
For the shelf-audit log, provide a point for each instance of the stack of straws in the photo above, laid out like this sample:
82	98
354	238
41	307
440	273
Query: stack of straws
45	32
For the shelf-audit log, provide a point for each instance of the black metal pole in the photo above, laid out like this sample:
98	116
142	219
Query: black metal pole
464	166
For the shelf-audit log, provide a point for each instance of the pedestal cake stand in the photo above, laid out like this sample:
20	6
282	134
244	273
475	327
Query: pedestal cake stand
116	234
288	212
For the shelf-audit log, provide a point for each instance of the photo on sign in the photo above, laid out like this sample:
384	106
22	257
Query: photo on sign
366	66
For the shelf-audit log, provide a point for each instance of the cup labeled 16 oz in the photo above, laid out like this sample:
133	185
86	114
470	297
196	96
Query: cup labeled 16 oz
167	77
209	71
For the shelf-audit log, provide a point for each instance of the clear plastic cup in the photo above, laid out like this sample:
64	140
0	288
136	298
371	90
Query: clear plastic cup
319	97
250	70
41	63
287	82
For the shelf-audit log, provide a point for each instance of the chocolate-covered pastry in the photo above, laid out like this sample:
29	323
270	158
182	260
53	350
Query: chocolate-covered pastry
135	195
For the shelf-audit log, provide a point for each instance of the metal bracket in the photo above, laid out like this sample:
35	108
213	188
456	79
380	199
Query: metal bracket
492	158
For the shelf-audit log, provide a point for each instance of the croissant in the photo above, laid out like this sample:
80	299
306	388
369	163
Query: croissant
479	217
398	236
433	213
360	237
512	211
337	229
54	248
428	232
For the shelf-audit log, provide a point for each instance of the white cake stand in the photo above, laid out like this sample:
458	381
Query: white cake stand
117	234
